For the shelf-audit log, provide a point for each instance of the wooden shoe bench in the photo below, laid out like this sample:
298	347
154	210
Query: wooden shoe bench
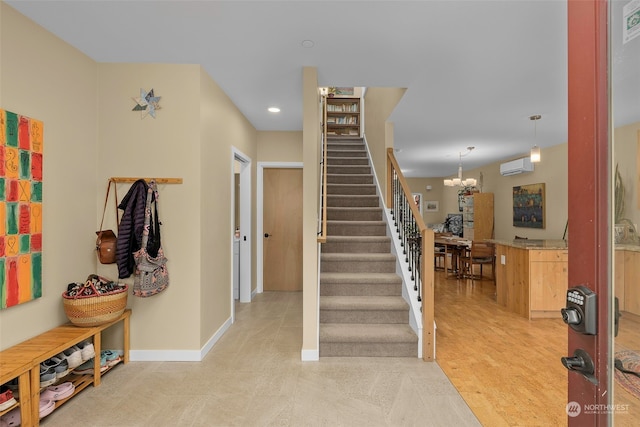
23	361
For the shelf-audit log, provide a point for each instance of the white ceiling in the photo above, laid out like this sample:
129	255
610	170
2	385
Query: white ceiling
474	70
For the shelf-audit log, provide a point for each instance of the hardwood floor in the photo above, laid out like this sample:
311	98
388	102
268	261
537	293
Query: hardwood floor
507	368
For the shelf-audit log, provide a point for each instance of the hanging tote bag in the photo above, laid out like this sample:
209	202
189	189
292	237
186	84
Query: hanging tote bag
151	276
106	240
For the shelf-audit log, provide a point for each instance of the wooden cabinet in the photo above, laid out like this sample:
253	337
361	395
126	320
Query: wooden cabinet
343	117
531	282
627	286
477	216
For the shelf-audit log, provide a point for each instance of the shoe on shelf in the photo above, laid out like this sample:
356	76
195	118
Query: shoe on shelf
47	376
73	356
111	357
86	349
13	386
46	407
61	366
11	418
87	367
6	398
58	392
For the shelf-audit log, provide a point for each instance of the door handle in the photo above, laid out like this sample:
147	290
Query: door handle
582	363
267	235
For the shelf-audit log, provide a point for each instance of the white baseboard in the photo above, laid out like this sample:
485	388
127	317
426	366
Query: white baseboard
164	355
179	355
310	355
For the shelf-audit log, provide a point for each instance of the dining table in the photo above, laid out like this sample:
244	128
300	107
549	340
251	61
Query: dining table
455	246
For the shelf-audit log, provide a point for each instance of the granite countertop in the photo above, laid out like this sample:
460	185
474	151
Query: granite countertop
534	243
627	247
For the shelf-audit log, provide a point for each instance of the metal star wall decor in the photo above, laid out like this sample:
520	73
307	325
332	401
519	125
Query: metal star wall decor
147	104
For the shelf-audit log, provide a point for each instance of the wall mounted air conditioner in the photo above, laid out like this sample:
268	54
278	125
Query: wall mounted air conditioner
516	166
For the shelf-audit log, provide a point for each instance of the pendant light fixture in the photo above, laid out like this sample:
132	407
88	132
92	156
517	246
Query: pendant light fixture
535	150
459	182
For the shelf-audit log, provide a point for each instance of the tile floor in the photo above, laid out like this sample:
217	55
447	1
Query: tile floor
254	377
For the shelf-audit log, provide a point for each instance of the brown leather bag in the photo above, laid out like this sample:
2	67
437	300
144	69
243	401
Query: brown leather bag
106	241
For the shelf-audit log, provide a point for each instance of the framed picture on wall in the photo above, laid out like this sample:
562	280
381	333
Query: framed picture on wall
417	199
431	206
528	206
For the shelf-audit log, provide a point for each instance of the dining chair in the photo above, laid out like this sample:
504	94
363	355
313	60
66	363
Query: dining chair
480	253
440	253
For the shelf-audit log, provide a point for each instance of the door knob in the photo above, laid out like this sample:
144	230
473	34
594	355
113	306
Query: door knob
266	235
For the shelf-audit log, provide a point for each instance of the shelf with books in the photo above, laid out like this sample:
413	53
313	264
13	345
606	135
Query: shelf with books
343	116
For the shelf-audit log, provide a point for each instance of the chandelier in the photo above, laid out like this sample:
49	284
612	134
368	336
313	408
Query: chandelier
459	182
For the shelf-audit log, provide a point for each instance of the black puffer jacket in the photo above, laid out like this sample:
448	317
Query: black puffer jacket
130	228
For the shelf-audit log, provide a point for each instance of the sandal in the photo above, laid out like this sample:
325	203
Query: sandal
46	407
58	392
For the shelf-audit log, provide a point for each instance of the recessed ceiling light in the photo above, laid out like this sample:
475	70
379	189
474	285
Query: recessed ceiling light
274	109
307	44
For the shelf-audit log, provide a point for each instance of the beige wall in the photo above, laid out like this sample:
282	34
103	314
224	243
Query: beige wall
44	78
222	127
552	171
279	146
92	134
311	159
379	104
626	142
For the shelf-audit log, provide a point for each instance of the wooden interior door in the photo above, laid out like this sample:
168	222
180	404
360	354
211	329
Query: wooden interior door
282	225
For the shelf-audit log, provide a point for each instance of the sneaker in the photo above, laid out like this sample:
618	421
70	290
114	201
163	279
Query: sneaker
87	367
11	418
111	357
60	366
86	349
46	407
58	392
6	398
47	376
73	356
13	386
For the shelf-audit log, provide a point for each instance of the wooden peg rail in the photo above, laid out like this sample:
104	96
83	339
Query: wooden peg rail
119	180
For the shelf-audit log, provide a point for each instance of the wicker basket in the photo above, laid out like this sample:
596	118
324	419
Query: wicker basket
95	310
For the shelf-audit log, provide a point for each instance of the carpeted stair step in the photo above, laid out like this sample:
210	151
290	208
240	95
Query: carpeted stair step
357	244
352	161
341	200
360	284
354	214
364	340
358	263
356	228
353	178
352	189
346	153
363	309
348	169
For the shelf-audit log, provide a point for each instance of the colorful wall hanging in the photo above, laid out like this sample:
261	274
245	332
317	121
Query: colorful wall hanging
21	149
528	206
147	104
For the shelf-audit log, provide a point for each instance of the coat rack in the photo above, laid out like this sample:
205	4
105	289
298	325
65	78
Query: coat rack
119	180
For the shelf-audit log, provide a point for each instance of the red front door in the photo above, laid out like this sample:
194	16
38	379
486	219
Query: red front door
588	401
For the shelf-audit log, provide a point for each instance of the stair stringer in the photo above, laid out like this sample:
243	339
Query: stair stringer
402	268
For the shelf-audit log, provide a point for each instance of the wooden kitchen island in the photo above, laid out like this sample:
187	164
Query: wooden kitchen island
532	276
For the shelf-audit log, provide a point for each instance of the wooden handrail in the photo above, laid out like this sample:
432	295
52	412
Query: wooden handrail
426	256
405	188
322	238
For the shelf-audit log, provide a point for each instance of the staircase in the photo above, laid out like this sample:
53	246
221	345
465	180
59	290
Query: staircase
362	311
